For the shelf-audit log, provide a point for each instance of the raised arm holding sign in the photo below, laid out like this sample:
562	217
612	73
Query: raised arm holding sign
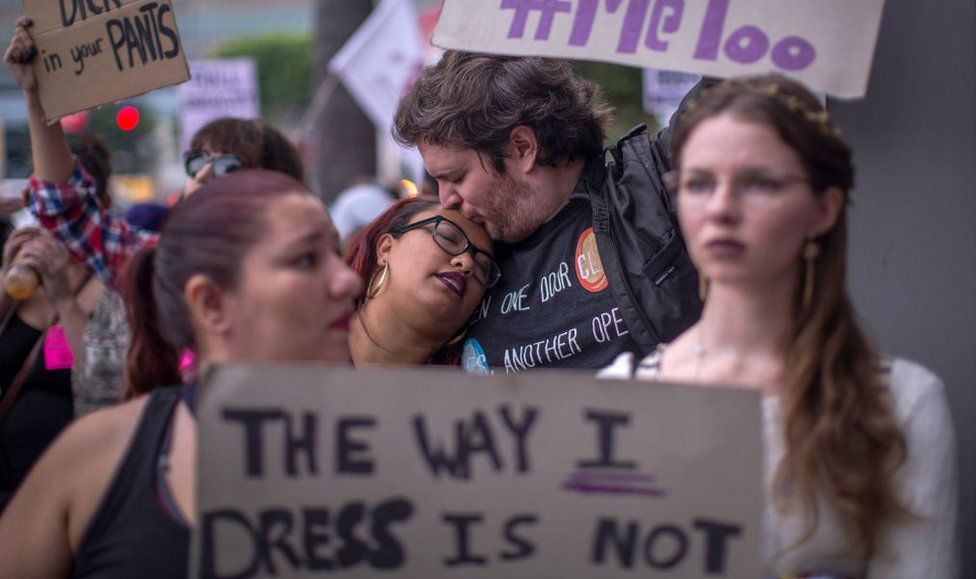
92	53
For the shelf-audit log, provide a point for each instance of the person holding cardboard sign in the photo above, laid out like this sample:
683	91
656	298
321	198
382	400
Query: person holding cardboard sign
114	496
62	192
860	458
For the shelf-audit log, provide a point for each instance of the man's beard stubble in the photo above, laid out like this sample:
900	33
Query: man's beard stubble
513	211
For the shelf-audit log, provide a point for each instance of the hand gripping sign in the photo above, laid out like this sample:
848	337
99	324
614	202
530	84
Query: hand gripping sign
92	52
306	470
828	44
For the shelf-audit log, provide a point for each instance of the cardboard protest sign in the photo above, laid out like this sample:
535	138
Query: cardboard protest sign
92	52
217	88
663	92
828	44
311	470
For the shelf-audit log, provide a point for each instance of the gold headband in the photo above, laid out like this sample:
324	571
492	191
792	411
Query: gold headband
821	118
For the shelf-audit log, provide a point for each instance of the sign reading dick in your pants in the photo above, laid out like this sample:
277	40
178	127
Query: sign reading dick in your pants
311	471
93	52
828	44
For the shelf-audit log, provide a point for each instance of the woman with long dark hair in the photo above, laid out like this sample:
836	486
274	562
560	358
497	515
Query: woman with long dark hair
247	269
859	447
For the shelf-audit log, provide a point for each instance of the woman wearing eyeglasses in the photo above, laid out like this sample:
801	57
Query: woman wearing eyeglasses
858	448
62	192
426	270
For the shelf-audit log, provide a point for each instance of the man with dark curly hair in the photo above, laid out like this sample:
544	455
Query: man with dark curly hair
592	265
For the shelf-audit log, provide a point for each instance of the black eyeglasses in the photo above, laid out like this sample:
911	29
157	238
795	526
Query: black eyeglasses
195	160
451	238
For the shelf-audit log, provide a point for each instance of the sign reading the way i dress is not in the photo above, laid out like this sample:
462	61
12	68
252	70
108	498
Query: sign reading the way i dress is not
305	471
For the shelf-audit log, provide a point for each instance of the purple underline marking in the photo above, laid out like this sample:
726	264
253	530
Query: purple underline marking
596	489
583	476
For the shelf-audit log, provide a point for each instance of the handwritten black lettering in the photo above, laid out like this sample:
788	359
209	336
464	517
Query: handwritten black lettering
140	37
460	524
352	454
285	541
608	536
606	423
86	50
276	527
253	422
652	547
520	432
475	436
79	9
297	444
717	535
224	520
664	547
523	547
52	61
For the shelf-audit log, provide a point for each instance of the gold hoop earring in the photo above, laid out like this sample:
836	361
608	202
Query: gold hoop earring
702	287
457	339
375	285
810	253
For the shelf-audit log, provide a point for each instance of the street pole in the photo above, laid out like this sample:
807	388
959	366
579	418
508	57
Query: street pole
345	139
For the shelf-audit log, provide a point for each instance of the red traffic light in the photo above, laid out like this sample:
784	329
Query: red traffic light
127	118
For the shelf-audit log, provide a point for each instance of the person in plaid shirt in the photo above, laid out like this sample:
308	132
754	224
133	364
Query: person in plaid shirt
62	193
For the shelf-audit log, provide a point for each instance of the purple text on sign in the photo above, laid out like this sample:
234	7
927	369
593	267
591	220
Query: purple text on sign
547	11
671	23
748	44
633	22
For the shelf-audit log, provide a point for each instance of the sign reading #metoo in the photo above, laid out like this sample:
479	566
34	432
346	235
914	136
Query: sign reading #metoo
92	52
828	44
308	470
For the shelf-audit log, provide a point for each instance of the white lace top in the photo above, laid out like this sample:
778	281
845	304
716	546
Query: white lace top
922	548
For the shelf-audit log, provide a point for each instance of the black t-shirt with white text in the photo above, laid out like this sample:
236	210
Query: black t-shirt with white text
552	307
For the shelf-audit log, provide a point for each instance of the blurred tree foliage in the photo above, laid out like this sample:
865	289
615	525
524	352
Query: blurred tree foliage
131	151
284	64
285	69
623	88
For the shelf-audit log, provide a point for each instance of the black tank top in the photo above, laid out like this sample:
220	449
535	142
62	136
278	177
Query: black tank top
130	534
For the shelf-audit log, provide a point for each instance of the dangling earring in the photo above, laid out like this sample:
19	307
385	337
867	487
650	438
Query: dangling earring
375	285
702	287
457	338
810	253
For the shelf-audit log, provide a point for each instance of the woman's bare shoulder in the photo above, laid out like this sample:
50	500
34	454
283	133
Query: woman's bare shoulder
44	522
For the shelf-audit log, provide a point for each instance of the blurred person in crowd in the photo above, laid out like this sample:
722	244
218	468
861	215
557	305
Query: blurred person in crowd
73	363
859	448
592	259
40	338
148	216
427	269
114	496
62	191
357	206
97	371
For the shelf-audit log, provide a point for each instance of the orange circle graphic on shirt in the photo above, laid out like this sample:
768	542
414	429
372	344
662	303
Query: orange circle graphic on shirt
589	268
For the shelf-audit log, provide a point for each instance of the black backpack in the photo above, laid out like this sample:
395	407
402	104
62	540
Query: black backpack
652	279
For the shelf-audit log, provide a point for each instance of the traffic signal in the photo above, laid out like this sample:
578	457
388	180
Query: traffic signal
127	118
